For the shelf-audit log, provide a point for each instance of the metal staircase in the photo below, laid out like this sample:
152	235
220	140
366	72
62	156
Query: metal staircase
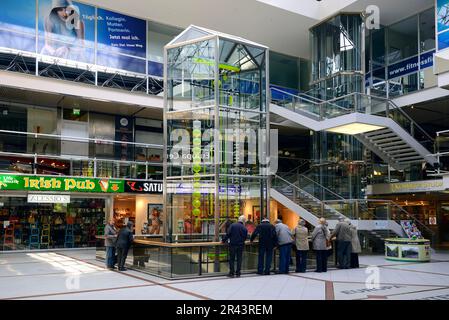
387	130
376	219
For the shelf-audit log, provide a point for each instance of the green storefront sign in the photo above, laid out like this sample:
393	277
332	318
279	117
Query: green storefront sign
66	184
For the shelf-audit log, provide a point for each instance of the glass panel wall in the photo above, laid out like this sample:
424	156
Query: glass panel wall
214	112
409	46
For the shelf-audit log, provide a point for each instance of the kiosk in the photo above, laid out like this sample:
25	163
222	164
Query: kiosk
414	250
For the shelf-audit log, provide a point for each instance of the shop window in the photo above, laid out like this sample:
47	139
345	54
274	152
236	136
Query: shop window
25	226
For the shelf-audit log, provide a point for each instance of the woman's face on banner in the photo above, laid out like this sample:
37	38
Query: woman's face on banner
62	13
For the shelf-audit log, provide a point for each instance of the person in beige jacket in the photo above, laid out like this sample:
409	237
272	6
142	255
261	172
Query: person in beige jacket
355	246
301	237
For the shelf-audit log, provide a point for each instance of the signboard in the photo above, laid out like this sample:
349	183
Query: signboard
409	187
67	184
411	65
144	187
121	38
48	198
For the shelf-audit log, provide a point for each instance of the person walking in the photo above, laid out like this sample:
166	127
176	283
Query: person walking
124	241
110	233
343	234
301	237
355	246
320	237
267	241
236	236
285	239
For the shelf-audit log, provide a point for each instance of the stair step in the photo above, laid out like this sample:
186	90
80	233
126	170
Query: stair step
377	132
396	151
402	155
393	145
382	142
382	136
417	157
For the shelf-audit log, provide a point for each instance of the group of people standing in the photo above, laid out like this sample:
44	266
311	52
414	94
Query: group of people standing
117	243
281	237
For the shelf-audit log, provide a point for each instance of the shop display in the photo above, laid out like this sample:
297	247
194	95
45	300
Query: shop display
407	250
154	217
26	225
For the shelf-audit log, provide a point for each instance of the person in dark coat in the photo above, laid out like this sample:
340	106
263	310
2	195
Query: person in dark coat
267	241
124	241
236	237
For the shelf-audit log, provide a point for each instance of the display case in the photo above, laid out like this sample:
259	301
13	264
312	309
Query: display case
413	250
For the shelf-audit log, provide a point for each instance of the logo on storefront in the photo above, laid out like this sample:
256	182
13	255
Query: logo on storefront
143	187
48	198
43	183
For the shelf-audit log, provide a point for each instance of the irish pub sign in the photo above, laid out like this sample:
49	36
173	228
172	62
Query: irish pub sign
66	184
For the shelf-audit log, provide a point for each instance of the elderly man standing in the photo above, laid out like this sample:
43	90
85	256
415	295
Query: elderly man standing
343	234
110	233
267	241
285	240
301	236
236	235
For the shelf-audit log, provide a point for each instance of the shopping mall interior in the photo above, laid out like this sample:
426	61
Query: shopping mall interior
181	118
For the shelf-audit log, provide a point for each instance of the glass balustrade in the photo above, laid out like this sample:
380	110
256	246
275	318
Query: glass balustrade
31	153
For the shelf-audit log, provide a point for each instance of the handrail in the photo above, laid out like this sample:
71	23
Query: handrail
306	161
321	186
388	202
296	187
318	104
395	106
315	199
76	158
295	96
81	139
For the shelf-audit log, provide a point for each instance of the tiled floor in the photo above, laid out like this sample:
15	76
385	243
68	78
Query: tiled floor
75	274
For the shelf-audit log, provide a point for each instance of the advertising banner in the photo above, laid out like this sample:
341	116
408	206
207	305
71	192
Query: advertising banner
442	24
18	25
410	65
67	30
121	41
66	184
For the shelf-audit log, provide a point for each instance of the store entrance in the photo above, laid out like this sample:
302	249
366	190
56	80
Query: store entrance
27	226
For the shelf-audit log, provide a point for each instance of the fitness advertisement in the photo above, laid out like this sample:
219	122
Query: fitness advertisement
442	24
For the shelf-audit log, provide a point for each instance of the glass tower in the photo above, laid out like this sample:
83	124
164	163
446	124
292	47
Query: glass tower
337	53
216	132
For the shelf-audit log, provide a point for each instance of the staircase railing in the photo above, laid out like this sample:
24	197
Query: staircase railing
363	103
297	194
365	209
355	102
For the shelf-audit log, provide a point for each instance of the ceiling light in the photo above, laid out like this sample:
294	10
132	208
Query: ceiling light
355	128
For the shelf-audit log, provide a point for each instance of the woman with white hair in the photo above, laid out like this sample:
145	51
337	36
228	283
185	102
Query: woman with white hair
300	235
355	246
320	236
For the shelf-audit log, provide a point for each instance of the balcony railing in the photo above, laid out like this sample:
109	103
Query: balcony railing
48	154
